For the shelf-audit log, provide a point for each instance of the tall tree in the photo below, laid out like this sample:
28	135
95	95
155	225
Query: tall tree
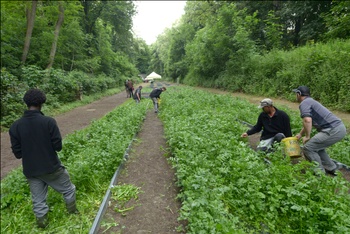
142	55
13	26
268	14
303	21
56	34
119	15
30	13
338	20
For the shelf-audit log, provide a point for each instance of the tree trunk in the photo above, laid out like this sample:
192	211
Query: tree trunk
298	25
30	25
57	31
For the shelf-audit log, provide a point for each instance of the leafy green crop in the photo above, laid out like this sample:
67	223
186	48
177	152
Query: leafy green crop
91	156
227	188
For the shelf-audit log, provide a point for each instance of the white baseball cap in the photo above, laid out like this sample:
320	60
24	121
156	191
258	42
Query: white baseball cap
265	102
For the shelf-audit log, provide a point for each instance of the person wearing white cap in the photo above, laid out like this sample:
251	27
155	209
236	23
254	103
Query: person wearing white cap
329	127
274	123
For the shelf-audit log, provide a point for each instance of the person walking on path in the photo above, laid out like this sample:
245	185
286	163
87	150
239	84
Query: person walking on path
35	139
329	127
155	96
137	94
275	124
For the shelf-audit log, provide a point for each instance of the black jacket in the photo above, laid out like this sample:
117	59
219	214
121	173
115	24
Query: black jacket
35	138
155	93
278	123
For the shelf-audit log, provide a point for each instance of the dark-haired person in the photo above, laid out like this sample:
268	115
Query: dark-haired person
35	139
329	127
137	94
130	86
274	123
155	95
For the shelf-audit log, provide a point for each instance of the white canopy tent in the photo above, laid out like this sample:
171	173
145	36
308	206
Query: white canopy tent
153	76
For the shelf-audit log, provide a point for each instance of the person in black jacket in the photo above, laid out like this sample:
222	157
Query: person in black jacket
35	139
155	95
275	124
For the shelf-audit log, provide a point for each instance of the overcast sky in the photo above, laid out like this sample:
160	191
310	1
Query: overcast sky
153	17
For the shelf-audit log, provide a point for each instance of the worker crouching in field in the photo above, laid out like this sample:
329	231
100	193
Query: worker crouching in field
329	127
274	123
155	95
137	94
35	139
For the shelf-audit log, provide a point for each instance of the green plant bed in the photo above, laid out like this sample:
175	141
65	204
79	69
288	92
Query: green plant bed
91	156
226	187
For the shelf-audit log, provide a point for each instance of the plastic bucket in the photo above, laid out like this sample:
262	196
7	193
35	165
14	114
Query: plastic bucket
291	147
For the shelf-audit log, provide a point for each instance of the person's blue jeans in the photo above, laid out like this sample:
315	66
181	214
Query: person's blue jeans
59	181
315	149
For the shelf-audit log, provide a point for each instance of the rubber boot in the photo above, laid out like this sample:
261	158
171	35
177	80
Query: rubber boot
42	222
72	208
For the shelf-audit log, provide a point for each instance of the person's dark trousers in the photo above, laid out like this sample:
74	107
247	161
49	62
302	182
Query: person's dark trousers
278	137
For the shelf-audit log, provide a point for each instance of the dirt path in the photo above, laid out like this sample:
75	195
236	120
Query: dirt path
148	169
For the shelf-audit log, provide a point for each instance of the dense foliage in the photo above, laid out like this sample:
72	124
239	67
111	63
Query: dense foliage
261	48
264	48
60	87
91	156
68	49
227	188
95	36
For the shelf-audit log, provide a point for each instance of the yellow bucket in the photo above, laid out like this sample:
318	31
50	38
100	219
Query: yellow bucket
291	147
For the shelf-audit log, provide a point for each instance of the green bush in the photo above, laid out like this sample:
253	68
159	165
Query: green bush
12	91
325	68
59	86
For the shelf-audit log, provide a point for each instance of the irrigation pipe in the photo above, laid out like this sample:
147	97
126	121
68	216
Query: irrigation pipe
96	224
245	123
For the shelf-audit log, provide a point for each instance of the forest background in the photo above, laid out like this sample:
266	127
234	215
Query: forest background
72	49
